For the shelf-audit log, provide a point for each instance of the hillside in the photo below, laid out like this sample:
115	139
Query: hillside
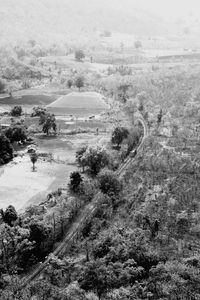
50	19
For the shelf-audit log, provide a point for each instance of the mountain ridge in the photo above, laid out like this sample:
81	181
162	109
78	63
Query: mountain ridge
51	18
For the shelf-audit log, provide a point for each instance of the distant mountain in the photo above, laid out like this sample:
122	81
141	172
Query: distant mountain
55	18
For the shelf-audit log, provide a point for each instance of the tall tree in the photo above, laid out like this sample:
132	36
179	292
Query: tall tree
118	135
79	55
79	82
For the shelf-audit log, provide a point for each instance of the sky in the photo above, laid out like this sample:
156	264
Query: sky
171	8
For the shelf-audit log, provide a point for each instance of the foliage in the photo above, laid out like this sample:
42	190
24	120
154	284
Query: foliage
48	122
122	91
80	158
6	150
109	183
79	82
33	158
138	44
69	83
75	181
38	111
106	33
10	215
79	55
16	133
118	135
159	117
16	111
94	159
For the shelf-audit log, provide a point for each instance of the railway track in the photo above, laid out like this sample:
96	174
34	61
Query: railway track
86	214
122	169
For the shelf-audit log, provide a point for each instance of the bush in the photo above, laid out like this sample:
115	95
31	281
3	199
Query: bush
75	181
6	150
16	111
94	159
48	122
16	133
79	82
10	215
118	135
109	183
69	83
38	111
79	55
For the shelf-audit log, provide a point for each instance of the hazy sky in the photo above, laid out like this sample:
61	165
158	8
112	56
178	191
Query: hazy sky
174	8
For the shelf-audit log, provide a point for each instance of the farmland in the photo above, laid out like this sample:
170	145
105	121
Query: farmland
99	154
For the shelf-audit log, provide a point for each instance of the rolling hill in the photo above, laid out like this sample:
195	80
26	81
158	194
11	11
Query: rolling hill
50	19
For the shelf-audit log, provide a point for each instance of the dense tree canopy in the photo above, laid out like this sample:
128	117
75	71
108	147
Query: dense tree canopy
16	133
118	135
48	122
6	150
16	111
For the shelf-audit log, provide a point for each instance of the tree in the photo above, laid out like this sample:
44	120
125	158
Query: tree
141	107
80	158
122	91
38	111
79	82
32	43
95	159
16	111
94	278
48	122
106	33
79	55
33	158
38	233
75	181
69	83
138	44
6	150
118	135
159	117
16	133
109	183
10	215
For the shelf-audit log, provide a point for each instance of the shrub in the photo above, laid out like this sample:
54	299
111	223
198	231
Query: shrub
48	122
16	111
95	159
79	55
10	215
16	133
69	83
38	111
6	150
118	135
79	82
75	181
109	183
80	159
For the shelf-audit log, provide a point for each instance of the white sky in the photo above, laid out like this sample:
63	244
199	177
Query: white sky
173	8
